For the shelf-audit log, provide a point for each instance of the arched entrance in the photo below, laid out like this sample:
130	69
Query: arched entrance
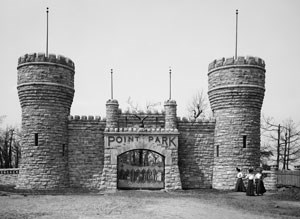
141	169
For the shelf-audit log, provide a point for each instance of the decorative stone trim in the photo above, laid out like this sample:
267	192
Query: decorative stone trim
45	83
235	66
237	86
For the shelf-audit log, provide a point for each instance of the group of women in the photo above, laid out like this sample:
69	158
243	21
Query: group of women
255	183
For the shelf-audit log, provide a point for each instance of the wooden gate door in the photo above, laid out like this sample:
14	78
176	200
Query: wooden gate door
141	169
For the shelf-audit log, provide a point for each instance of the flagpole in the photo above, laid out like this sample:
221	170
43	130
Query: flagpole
236	31
47	34
111	84
170	77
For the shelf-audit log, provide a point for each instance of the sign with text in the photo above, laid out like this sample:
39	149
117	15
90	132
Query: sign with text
163	140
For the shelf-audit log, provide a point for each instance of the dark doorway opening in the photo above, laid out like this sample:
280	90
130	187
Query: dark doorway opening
141	169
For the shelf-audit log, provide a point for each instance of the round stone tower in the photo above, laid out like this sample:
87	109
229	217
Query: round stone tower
112	113
46	90
170	114
236	90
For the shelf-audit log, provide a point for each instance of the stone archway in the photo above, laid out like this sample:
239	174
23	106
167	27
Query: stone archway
164	143
140	169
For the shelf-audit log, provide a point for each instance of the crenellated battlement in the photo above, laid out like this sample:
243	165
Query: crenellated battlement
86	118
41	57
179	119
241	60
142	113
198	121
144	130
172	102
114	101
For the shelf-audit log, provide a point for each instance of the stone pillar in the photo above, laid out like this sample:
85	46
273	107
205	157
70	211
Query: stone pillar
236	92
46	90
270	178
112	114
170	114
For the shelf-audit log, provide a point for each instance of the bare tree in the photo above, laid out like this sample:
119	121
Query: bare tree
135	110
198	106
10	152
282	140
291	139
271	133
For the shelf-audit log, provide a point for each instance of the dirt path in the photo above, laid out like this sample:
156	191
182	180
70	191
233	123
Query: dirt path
131	205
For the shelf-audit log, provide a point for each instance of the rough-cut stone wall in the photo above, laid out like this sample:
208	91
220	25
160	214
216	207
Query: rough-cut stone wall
45	89
236	92
86	158
196	153
9	176
85	151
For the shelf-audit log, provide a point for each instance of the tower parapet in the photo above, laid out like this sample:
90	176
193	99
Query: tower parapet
46	90
236	90
170	114
41	57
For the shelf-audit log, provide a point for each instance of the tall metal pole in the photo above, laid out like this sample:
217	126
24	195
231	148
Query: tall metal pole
170	73
278	147
47	34
111	85
288	149
236	32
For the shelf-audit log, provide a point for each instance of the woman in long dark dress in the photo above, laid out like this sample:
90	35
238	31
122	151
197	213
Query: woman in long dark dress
260	187
239	186
250	187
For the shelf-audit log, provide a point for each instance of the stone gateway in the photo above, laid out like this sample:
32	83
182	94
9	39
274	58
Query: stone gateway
115	152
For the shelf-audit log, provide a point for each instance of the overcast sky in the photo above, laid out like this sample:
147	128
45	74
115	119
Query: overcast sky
141	39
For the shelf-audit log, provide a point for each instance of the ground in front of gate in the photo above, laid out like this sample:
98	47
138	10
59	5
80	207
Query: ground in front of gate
131	204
